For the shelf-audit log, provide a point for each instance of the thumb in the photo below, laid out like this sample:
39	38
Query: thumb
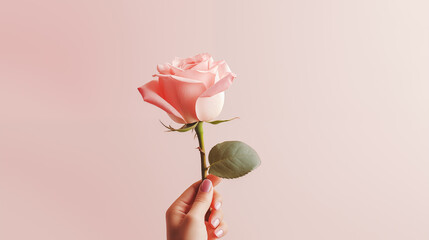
203	199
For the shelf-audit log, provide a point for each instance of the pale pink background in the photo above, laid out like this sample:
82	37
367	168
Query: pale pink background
334	95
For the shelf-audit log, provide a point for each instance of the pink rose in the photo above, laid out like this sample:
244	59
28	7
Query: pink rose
190	89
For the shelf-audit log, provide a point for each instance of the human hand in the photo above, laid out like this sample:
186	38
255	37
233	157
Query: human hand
186	217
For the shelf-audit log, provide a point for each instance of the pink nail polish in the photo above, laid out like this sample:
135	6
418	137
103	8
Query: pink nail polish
219	233
215	222
217	205
206	185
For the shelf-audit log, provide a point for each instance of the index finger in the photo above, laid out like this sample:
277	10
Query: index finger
215	179
188	195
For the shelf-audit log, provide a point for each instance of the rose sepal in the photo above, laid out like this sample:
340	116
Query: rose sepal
184	128
215	122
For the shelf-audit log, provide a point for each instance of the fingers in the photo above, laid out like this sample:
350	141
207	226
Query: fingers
218	232
216	224
217	200
189	194
215	180
203	199
222	230
185	200
184	203
216	217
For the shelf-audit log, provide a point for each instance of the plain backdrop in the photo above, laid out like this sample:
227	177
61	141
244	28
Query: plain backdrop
333	94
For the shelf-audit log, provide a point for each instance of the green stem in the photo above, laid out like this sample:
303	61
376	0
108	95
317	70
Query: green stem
200	135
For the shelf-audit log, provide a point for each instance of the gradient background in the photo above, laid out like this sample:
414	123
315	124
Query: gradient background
334	95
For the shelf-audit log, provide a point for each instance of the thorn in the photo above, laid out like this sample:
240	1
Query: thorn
200	150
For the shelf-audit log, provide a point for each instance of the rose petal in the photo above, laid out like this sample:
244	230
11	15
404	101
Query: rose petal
178	78
187	66
223	69
213	70
201	57
189	63
182	95
174	70
208	108
219	86
151	94
211	61
207	78
164	68
176	119
203	65
177	62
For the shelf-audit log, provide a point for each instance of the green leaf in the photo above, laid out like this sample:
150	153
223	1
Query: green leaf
184	128
232	159
221	121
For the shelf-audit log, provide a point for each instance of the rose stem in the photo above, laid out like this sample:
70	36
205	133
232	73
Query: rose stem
200	135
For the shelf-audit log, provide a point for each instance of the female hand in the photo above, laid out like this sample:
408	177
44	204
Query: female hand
186	217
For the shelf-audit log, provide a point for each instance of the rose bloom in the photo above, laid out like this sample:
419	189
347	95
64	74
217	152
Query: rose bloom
189	89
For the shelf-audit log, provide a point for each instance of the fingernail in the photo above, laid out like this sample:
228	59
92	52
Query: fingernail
215	222
217	205
206	185
219	233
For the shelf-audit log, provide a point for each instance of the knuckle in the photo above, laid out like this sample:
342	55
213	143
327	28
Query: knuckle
218	198
220	214
169	212
224	227
217	214
200	200
192	218
217	195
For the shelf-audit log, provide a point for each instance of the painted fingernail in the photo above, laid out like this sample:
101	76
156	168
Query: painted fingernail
219	233
215	222
206	185
217	205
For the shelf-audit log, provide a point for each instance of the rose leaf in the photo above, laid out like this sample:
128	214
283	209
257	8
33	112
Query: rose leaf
232	159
